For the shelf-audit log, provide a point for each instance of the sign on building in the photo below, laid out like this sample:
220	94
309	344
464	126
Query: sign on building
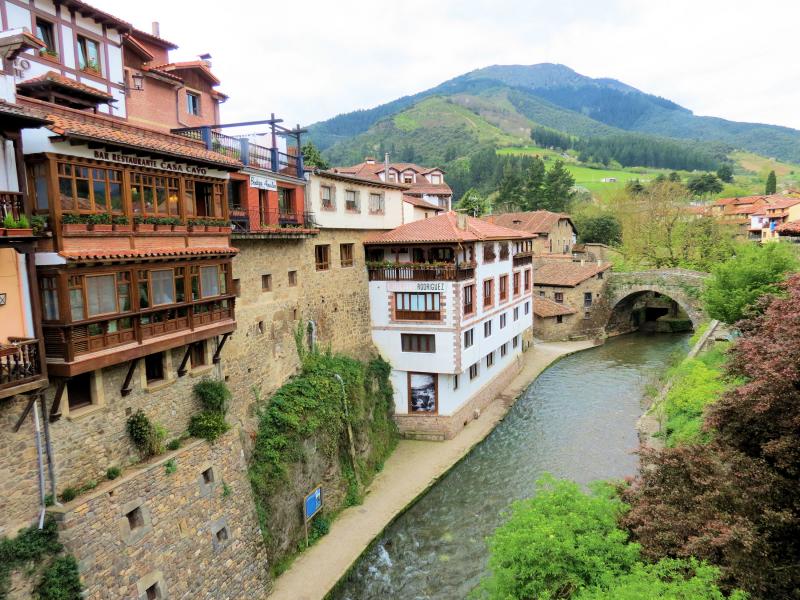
263	183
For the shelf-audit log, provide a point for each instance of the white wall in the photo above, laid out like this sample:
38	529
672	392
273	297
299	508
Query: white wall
342	219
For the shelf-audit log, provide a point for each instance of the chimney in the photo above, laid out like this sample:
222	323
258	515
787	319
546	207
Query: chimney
156	28
369	160
386	167
461	221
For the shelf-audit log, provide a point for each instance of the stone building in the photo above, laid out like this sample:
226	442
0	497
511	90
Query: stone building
565	295
554	233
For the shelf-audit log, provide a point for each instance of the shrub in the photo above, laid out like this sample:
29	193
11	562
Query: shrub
9	222
38	223
174	444
100	219
119	220
113	472
146	436
23	223
72	219
60	580
170	466
558	542
31	545
208	425
213	394
69	494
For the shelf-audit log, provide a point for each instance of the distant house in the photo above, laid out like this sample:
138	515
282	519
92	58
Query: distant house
555	232
757	217
608	180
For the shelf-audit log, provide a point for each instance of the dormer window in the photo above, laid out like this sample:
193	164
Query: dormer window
88	54
408	178
44	31
436	178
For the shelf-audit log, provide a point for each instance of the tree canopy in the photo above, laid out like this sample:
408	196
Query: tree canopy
312	156
704	184
772	183
599	229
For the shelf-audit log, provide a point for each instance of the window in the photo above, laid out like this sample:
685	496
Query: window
488	252
587	299
587	314
516	284
468	338
156	195
408	178
413	306
237	194
326	197
516	313
503	320
541	294
600	275
351	200
503	287
488	293
162	286
47	284
527	308
222	535
292	278
285	202
559	318
193	103
489	359
559	297
266	283
208	476
487	328
88	54
527	280
154	367
469	293
436	179
413	342
79	391
504	349
44	31
504	250
346	254
197	353
515	341
135	518
212	281
376	203
101	297
153	592
473	371
322	257
90	189
423	393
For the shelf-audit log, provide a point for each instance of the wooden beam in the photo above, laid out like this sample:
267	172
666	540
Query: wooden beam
55	409
126	385
23	416
219	348
182	369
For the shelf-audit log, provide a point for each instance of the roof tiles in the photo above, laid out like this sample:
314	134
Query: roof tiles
566	274
544	307
90	255
445	228
537	221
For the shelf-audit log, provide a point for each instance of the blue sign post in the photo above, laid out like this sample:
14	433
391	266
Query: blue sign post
312	504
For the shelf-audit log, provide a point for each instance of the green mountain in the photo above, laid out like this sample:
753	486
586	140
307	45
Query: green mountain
499	104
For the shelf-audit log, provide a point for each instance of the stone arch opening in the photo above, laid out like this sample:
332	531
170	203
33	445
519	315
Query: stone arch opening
650	310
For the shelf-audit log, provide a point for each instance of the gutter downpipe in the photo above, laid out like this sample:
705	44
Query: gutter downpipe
51	460
40	462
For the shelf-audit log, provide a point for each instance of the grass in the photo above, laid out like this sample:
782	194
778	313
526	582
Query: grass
761	165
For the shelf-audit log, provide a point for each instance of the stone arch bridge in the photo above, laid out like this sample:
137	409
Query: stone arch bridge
624	290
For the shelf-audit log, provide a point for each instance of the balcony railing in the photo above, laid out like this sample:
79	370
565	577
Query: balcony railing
523	258
420	272
70	341
11	203
253	220
20	363
252	155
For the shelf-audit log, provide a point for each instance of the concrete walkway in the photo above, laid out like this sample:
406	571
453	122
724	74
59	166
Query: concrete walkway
411	469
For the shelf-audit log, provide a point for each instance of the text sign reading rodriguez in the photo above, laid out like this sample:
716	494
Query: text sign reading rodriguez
263	183
430	287
313	503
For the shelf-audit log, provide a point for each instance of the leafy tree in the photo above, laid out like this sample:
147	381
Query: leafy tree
702	185
634	186
532	186
772	183
473	204
408	153
510	187
601	229
725	173
557	188
312	156
674	177
736	284
557	543
704	243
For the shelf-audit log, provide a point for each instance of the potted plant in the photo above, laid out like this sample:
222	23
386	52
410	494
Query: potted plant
72	223
39	224
100	222
177	225
121	223
18	228
91	67
49	54
143	224
197	225
162	223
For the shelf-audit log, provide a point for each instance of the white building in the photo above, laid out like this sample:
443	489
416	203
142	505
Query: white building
450	301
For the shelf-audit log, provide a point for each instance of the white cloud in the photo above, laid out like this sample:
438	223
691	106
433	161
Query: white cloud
309	61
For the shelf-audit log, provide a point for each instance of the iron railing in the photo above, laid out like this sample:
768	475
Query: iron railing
254	220
421	272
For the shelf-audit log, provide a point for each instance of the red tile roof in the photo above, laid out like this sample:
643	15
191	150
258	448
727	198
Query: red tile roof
782	202
421	203
87	10
58	80
154	39
374	181
537	221
192	64
431	189
372	170
98	255
790	228
137	47
82	125
444	228
15	112
544	307
566	274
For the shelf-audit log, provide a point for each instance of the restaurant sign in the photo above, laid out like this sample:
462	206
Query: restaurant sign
263	183
152	163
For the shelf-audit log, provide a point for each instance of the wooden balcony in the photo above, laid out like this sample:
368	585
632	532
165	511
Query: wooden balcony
523	258
20	367
11	203
93	343
421	272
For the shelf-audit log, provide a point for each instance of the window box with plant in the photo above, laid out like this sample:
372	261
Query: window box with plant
49	54
196	225
92	67
100	222
164	223
73	223
121	224
17	227
143	224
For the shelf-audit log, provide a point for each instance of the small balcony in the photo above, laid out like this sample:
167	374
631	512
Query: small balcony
241	149
20	366
420	271
283	223
523	258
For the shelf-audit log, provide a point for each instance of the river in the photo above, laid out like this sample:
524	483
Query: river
576	421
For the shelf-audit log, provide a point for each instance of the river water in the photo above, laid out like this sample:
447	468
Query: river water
576	421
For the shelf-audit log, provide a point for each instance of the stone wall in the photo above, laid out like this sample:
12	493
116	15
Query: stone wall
583	323
195	534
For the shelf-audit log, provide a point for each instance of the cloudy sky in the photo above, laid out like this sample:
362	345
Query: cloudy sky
312	59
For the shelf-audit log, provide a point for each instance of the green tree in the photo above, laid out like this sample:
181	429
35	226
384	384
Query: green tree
532	187
510	192
601	229
736	284
557	543
557	188
473	204
725	173
702	185
674	177
772	183
634	186
312	156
